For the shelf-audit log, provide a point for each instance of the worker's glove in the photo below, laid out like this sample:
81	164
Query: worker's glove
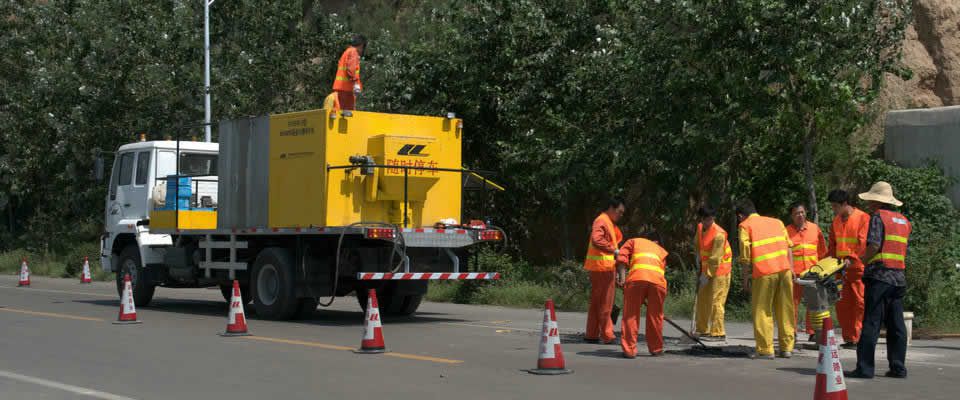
704	280
356	89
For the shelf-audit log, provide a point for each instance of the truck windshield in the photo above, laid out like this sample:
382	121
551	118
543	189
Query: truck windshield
191	164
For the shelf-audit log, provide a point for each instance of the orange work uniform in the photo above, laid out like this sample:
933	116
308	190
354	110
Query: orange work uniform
809	246
348	74
600	261
848	240
645	282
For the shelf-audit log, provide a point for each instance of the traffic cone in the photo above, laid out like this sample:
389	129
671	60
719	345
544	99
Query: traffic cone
830	384
128	311
24	274
85	275
372	342
550	361
236	322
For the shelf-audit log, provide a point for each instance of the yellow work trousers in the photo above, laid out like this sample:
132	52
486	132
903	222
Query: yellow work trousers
771	297
711	299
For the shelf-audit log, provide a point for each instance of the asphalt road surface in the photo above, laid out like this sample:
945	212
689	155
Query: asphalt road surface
59	343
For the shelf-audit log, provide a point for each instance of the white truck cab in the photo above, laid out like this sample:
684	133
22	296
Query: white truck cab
136	185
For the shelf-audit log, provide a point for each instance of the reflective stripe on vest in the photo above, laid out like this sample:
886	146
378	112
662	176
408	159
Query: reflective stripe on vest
846	237
646	262
896	233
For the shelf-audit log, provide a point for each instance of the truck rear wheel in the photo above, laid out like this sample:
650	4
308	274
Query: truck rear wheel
272	285
130	263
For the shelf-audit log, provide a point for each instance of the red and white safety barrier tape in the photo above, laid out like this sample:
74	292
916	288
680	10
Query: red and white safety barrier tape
377	276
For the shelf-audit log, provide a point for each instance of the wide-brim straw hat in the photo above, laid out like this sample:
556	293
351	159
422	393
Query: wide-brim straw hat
881	192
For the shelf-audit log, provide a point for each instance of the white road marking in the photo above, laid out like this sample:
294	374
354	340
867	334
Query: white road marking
62	386
28	290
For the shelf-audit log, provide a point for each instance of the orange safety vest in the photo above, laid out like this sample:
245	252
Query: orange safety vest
706	247
599	260
647	263
342	81
844	234
896	231
768	245
806	251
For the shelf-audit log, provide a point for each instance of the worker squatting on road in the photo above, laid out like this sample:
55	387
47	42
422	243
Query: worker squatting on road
885	283
716	264
346	83
809	246
602	251
848	236
641	268
765	248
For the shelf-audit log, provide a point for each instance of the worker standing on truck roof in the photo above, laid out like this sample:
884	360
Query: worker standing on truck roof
848	239
716	263
347	84
768	276
641	264
885	283
809	246
602	251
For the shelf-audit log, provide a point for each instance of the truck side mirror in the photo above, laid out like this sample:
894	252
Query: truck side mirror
98	168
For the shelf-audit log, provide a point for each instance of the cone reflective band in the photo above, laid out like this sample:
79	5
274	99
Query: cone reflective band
550	360
830	384
85	274
24	274
372	342
128	311
236	321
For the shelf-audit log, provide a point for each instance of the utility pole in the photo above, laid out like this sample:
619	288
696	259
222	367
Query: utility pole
206	69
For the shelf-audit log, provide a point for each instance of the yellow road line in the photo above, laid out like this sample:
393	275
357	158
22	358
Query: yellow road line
47	314
345	348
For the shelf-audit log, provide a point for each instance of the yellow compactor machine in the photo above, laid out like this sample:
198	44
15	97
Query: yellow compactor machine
321	203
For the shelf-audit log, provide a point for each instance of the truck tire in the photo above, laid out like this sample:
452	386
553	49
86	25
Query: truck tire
272	285
227	292
390	304
130	264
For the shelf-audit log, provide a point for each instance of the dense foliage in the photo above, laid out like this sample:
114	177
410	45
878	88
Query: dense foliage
668	103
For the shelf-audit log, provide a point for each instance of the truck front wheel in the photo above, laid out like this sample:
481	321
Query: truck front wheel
142	287
272	285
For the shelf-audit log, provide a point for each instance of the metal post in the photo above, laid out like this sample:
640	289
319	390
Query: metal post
206	70
405	174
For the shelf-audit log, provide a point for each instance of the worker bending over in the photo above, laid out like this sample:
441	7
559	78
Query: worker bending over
848	239
809	246
641	265
716	261
347	84
768	276
885	283
602	251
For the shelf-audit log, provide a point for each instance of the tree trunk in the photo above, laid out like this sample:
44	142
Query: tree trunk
809	142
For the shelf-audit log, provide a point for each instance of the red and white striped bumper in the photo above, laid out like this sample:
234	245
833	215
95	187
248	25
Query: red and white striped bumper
432	276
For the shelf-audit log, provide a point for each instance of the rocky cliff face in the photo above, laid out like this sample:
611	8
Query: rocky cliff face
931	50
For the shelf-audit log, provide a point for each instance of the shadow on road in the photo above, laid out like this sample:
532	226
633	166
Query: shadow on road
801	371
606	353
322	317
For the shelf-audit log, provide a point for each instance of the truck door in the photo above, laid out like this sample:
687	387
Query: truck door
129	187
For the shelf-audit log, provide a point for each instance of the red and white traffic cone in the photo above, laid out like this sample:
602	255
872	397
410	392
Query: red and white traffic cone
128	311
24	274
85	274
372	342
236	322
550	361
830	384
